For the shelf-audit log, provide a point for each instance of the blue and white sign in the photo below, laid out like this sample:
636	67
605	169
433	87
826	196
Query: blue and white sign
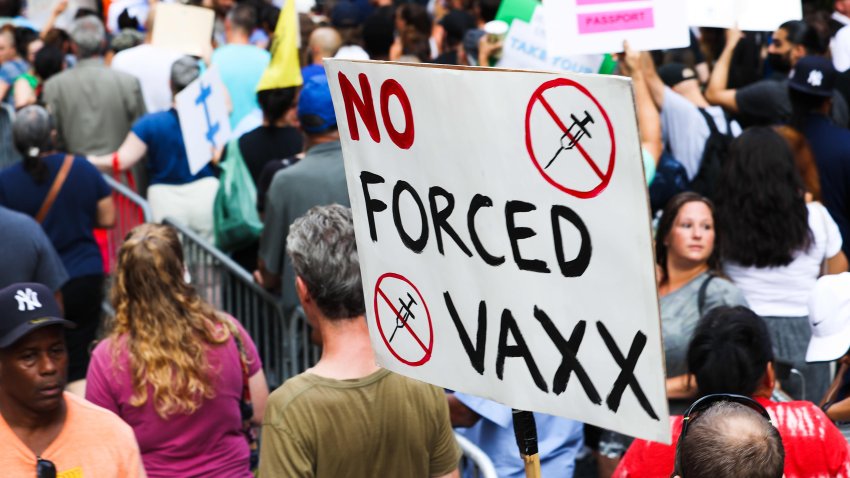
202	110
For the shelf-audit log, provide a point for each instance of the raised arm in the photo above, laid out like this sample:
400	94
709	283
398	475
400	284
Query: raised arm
649	121
717	92
653	81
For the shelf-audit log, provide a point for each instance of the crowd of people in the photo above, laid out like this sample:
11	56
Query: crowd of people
746	152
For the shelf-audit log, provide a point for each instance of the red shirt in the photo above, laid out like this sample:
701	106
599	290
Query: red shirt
814	446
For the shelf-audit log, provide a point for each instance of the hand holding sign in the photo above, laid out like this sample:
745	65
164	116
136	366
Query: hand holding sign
202	111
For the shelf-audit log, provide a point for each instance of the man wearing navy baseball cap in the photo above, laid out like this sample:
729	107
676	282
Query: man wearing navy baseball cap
316	180
45	431
810	88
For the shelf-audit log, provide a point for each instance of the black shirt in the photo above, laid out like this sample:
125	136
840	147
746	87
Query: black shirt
268	143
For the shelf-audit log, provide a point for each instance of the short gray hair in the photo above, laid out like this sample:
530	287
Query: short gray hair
31	130
89	35
324	255
183	72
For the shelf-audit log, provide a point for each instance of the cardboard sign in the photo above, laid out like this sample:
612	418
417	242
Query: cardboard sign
580	27
504	239
183	28
39	11
204	120
748	15
525	48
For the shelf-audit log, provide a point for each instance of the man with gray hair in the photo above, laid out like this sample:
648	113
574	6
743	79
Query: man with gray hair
346	415
94	106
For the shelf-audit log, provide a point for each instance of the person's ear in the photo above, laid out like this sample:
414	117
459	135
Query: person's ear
302	291
769	377
797	52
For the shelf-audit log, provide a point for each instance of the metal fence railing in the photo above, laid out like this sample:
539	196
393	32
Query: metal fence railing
130	211
283	342
475	463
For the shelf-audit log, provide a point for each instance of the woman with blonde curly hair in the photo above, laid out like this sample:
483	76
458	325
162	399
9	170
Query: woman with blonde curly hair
174	368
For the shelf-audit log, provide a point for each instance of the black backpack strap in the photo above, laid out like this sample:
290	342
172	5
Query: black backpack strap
709	120
702	291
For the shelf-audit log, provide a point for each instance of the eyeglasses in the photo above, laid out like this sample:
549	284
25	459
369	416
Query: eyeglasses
704	404
45	469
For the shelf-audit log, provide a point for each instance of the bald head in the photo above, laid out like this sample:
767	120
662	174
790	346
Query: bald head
324	43
731	440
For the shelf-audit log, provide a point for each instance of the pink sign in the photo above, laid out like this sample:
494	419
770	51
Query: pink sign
596	2
615	21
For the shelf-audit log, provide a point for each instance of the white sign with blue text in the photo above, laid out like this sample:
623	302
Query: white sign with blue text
202	111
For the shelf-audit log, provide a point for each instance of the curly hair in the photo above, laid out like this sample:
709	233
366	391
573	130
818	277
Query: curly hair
167	326
668	219
760	202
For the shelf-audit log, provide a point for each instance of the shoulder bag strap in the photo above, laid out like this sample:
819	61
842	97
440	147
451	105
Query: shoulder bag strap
61	176
243	358
702	291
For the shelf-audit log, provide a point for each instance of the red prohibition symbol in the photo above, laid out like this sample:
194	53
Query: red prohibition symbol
405	325
586	123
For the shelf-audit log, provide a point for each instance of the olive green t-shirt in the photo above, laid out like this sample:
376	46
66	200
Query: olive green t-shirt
382	425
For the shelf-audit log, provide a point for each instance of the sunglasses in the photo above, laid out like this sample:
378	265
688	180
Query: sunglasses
703	404
45	469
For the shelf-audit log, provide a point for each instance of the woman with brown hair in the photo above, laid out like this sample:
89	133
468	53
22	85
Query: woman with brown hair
174	368
689	282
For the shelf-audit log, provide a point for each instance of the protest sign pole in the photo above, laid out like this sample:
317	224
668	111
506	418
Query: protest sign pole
526	439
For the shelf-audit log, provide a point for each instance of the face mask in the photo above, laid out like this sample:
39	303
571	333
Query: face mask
778	63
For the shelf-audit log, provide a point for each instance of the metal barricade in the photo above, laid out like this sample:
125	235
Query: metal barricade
475	463
130	211
283	343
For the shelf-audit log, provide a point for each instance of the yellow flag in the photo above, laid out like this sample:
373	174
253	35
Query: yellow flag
284	69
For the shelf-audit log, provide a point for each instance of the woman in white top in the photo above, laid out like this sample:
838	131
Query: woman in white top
775	245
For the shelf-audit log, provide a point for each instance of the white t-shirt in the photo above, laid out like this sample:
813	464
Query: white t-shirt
684	129
784	291
152	67
840	48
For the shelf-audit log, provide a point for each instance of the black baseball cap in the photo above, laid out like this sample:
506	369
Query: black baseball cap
813	75
674	73
27	307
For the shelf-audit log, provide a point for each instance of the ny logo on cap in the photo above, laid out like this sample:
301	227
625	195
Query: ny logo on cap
27	300
815	78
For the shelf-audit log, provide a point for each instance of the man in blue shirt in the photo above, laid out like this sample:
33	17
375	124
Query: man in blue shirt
489	425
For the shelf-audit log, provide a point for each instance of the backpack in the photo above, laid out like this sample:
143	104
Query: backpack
671	177
236	221
713	157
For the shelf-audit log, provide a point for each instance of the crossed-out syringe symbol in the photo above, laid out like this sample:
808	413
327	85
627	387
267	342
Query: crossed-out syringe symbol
574	138
400	321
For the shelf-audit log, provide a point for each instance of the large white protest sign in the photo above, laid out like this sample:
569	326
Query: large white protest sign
504	239
579	27
749	15
202	111
525	48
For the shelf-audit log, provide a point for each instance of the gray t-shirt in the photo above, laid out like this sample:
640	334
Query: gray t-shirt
316	180
680	314
27	254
